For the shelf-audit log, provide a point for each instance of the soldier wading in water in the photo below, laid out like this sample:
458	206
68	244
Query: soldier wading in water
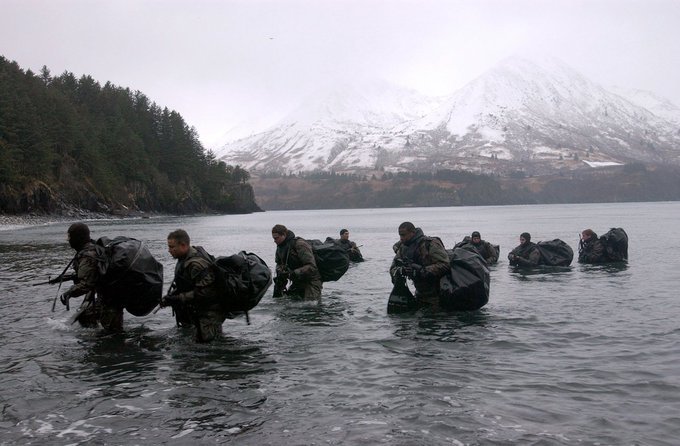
193	295
422	259
295	262
98	306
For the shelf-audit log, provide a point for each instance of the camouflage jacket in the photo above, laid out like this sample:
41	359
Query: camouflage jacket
352	250
486	250
525	255
592	251
87	270
295	256
427	252
195	280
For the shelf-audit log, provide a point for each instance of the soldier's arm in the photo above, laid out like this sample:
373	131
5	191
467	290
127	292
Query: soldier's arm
88	273
440	261
203	279
306	256
534	257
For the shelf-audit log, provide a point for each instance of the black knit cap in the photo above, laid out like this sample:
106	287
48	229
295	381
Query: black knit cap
476	234
78	235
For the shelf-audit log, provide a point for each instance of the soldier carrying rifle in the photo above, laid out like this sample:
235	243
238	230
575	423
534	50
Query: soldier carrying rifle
97	307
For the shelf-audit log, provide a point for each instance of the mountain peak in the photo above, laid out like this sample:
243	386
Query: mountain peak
520	110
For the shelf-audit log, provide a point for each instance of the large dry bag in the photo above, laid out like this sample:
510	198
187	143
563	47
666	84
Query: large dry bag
243	279
129	273
555	253
467	285
331	258
615	243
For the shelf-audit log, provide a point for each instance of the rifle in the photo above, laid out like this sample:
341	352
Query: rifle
85	304
60	278
401	299
171	290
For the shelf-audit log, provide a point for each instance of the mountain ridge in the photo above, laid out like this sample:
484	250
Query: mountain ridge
519	114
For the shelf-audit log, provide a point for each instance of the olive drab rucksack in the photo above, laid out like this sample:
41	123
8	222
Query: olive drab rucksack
332	259
615	243
129	272
242	279
555	253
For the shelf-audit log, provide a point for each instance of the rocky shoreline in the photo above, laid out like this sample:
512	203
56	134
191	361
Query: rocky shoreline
11	221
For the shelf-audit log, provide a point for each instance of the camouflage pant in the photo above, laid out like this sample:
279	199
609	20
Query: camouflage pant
97	311
306	290
428	300
208	325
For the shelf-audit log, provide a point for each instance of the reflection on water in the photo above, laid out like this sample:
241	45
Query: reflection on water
330	310
453	327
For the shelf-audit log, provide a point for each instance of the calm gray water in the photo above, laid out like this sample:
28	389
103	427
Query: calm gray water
580	355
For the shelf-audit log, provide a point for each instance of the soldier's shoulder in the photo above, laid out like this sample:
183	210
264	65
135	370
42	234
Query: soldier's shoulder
299	242
196	261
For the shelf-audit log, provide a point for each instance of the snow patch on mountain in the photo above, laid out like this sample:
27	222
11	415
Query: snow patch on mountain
661	107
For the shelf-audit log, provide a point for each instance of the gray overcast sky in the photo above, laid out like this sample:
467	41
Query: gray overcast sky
227	63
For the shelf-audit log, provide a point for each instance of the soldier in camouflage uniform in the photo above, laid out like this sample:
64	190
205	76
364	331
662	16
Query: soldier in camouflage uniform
97	307
483	248
526	254
352	249
194	297
422	259
591	249
295	262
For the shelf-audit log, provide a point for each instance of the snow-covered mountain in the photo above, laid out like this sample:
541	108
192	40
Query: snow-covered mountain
327	127
519	112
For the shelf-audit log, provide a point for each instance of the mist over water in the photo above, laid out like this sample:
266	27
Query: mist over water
576	355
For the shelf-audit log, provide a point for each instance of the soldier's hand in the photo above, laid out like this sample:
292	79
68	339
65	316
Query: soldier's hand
397	276
64	298
170	299
413	270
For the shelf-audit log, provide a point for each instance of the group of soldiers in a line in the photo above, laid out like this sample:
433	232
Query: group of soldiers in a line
194	297
425	260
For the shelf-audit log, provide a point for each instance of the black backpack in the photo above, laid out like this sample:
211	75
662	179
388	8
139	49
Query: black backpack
242	279
555	253
615	243
354	255
466	287
331	258
129	272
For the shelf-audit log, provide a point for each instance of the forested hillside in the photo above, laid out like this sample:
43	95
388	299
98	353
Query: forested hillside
70	143
322	190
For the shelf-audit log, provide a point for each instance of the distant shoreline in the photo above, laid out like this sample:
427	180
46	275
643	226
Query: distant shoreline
9	222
